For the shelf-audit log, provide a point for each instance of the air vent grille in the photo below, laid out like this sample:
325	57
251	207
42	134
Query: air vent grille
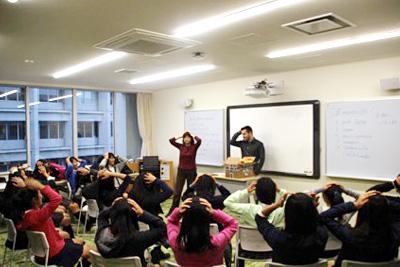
146	43
319	24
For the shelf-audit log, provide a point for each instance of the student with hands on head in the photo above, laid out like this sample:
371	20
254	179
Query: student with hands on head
29	214
267	192
375	237
302	240
191	242
118	233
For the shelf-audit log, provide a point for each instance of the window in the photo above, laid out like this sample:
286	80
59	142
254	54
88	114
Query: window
49	95
12	130
51	130
88	129
12	127
51	124
3	131
95	114
18	93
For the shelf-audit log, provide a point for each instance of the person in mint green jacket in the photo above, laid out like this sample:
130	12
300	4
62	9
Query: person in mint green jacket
267	192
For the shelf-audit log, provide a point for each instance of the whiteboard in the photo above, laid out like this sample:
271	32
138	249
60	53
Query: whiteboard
289	132
209	126
363	139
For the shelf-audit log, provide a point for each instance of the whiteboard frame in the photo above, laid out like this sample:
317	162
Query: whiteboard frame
223	131
316	135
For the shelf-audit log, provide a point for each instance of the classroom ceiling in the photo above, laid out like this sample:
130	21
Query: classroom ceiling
59	34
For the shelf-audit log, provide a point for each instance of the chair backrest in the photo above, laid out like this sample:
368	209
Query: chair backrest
38	244
333	243
99	261
93	208
143	226
214	229
321	263
11	231
252	240
393	263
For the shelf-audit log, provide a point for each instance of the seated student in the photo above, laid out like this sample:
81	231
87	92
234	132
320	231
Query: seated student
6	207
375	237
149	192
28	214
303	239
107	190
55	170
204	186
191	242
112	162
267	192
118	234
388	186
72	166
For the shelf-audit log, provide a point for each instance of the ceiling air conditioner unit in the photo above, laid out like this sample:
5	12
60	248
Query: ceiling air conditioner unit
147	43
264	89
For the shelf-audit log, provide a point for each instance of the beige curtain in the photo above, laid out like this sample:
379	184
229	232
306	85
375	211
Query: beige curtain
145	121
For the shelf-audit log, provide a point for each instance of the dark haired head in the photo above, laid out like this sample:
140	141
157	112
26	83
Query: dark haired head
22	201
43	161
194	235
73	159
124	222
247	128
376	214
206	186
187	134
112	160
333	196
266	190
301	215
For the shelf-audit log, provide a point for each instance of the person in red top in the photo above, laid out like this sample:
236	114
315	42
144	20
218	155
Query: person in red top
187	163
29	214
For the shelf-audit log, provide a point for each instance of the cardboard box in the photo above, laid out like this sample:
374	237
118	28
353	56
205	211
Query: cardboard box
133	166
239	168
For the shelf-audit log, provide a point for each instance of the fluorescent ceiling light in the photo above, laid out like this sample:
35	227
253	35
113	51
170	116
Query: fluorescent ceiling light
334	44
62	97
31	104
8	93
13	1
89	64
228	18
171	74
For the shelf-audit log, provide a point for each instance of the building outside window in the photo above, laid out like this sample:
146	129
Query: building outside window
51	124
12	127
95	117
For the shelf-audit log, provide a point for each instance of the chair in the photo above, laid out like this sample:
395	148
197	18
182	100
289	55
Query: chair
12	237
174	264
39	247
393	263
99	261
143	226
249	239
321	263
91	209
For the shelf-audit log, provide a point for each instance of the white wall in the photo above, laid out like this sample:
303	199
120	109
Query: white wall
351	81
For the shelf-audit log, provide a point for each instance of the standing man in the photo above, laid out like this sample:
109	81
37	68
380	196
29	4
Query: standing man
250	147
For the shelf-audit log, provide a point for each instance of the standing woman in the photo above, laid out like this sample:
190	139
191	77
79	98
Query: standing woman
187	163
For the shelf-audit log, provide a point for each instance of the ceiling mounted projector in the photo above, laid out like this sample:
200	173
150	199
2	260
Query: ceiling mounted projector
264	89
